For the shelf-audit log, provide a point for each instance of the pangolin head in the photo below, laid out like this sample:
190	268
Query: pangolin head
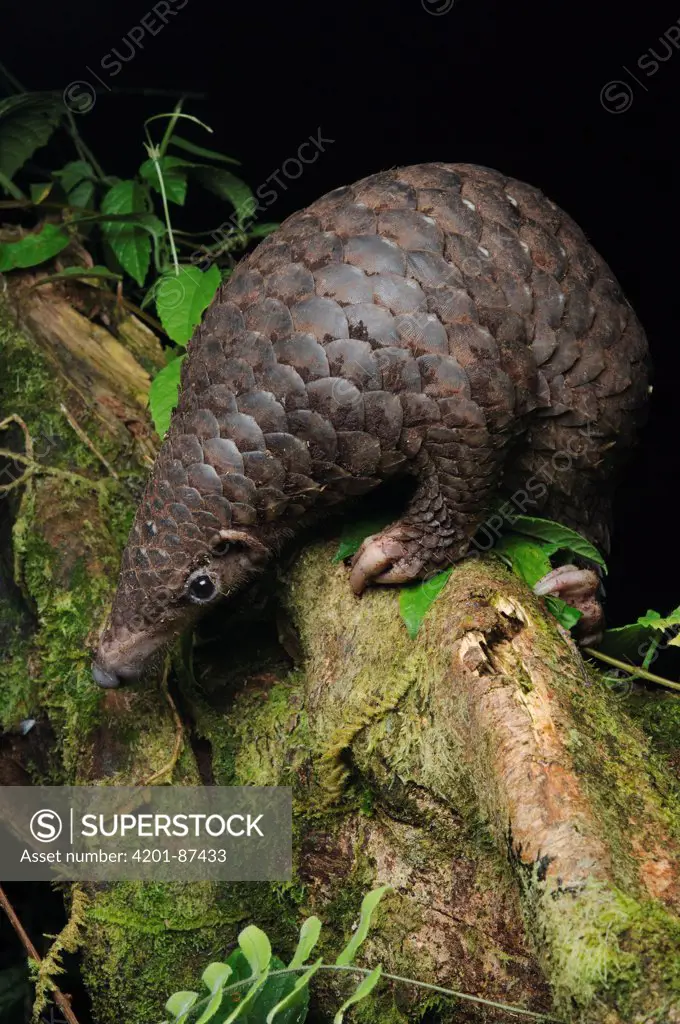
189	547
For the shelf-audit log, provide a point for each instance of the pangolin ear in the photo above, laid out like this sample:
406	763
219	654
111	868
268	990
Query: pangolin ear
225	540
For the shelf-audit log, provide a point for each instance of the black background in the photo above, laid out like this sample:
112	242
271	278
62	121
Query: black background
512	86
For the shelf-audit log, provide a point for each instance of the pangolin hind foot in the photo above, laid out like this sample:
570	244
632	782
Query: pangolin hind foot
582	589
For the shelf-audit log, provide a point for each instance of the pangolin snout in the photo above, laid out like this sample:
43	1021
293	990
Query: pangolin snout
104	678
123	654
109	675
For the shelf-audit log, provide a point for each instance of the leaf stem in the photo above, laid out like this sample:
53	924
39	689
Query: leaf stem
166	212
167	134
632	669
10	187
154	153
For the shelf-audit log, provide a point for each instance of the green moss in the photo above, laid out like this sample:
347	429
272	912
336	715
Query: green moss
146	941
60	648
611	755
67	539
382	1009
606	946
391	677
259	738
659	716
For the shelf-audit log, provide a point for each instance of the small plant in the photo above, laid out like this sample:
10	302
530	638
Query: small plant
255	987
126	222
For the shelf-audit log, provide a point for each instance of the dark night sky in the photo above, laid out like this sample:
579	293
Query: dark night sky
513	86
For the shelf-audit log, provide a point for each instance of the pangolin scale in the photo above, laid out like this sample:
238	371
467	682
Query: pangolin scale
440	320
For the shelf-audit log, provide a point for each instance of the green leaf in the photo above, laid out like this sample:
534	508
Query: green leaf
560	536
73	173
256	948
10	188
40	192
654	620
563	612
296	998
212	1007
240	966
248	1000
174	177
309	936
182	298
277	987
368	905
81	196
26	123
528	558
364	990
415	600
641	639
33	248
354	534
76	180
180	1004
625	641
215	976
210	154
163	395
131	244
227	186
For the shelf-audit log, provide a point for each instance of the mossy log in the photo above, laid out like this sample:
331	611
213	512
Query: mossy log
528	831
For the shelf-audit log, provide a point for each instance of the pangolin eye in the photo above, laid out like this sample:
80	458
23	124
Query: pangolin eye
201	588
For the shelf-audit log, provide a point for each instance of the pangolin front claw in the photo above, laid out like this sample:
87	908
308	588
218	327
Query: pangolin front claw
385	557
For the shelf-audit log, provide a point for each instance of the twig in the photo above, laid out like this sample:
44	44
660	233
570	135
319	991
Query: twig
33	467
86	441
28	440
633	669
59	997
26	460
138	312
179	733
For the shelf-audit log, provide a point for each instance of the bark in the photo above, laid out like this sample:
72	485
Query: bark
527	827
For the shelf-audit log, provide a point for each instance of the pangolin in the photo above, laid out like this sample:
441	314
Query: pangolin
440	321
